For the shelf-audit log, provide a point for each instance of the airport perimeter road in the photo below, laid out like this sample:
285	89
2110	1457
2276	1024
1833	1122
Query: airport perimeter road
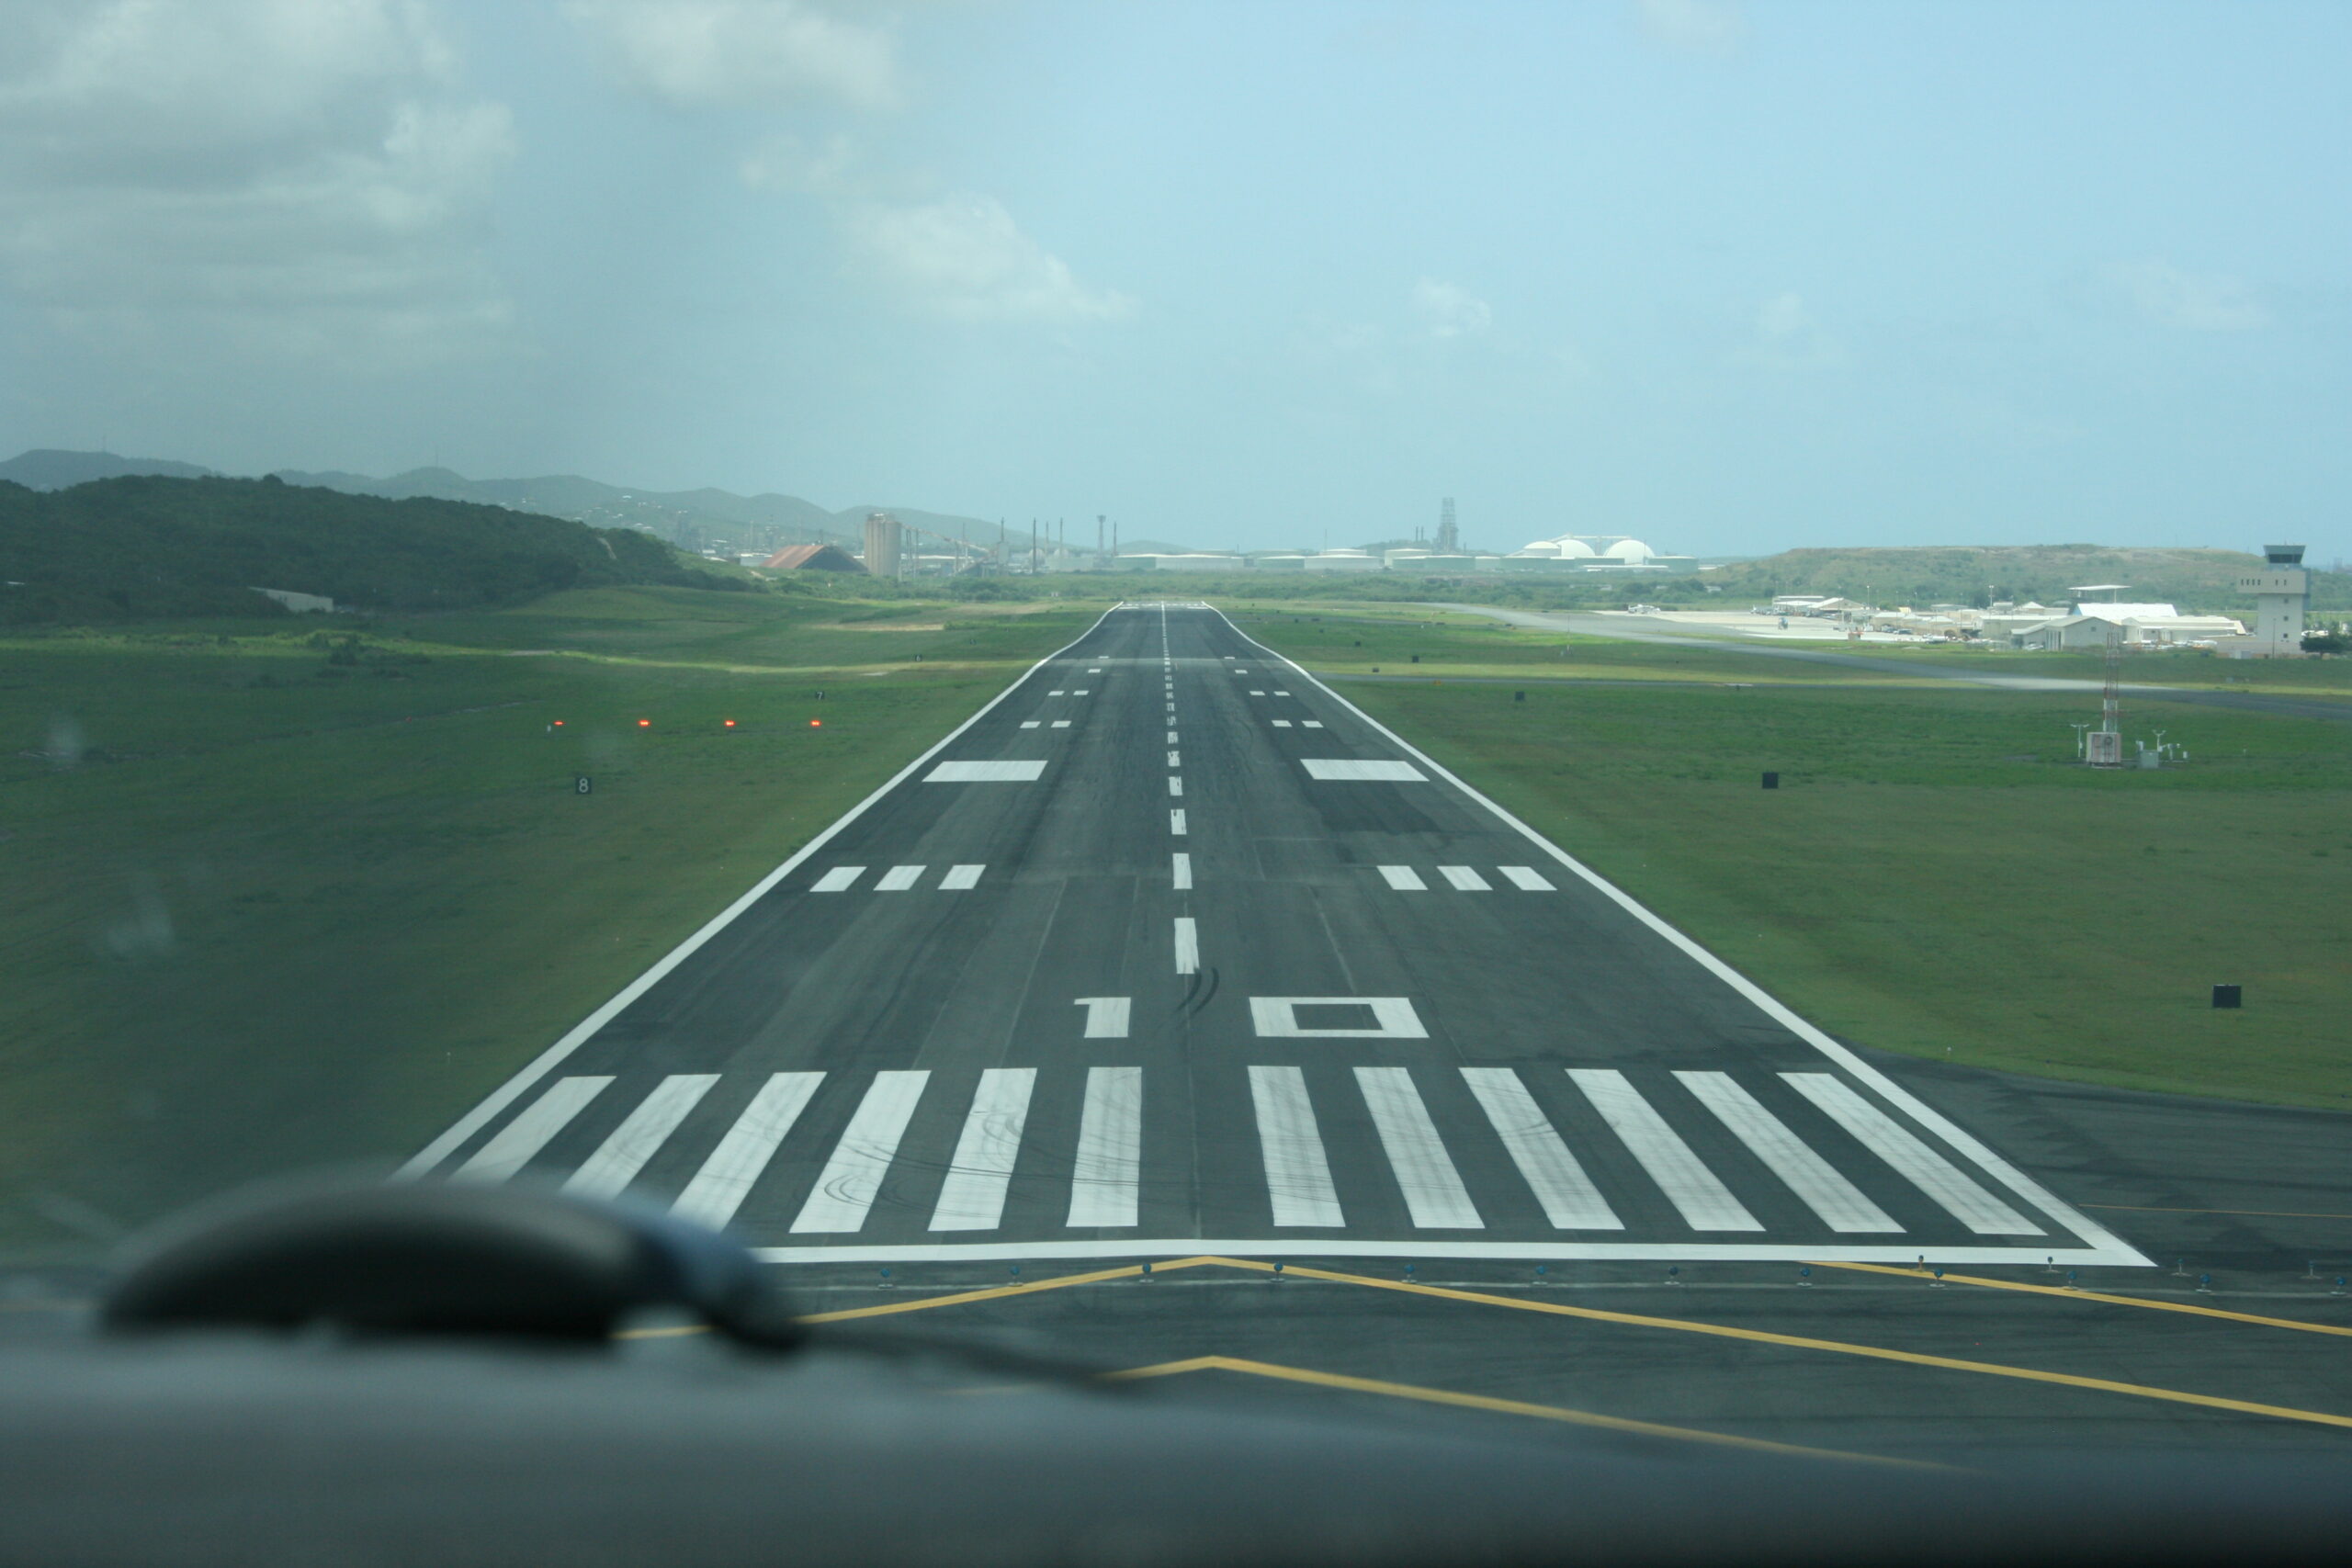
1170	951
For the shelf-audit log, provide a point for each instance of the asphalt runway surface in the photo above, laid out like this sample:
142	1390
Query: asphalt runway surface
1170	950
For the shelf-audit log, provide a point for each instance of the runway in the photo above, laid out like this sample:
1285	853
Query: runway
1172	950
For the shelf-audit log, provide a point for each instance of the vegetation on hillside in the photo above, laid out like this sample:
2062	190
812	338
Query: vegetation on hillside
143	548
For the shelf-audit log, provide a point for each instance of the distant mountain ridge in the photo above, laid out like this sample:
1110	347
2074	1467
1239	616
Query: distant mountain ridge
51	467
694	519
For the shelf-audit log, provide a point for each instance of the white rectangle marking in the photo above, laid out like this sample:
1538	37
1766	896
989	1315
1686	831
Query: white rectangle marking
1079	692
1257	693
897	879
1059	724
719	1188
1103	1177
620	1156
988	773
1175	784
1349	768
1276	1017
1926	1169
1171	738
1188	946
959	877
838	879
1282	724
1466	877
1311	723
1282	693
1107	1017
1704	1204
1570	1199
1176	823
1838	1202
1028	723
852	1177
1298	1174
1404	879
1057	693
1175	758
1180	867
1433	1192
973	1196
511	1146
1527	877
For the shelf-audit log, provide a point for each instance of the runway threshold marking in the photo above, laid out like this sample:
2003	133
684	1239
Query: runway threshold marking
1499	1406
2302	1324
1601	1315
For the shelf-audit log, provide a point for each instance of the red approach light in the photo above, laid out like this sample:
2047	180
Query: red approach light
816	724
731	724
559	724
645	723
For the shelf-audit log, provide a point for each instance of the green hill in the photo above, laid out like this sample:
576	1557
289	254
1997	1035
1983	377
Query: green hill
143	548
2197	581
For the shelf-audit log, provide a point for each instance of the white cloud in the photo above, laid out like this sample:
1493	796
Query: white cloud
790	163
965	259
1702	27
1449	310
296	174
747	54
1787	337
2191	301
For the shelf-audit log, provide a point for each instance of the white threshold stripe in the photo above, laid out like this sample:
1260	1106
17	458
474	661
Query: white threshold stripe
1924	1169
1282	724
1298	1176
1103	1177
959	877
852	1177
1181	871
1527	877
547	1061
838	879
1839	1203
972	1197
1107	1017
1704	1203
1176	822
511	1146
1028	723
1466	877
1188	946
899	878
719	1188
1302	1248
1570	1199
619	1158
1404	879
1433	1192
2105	1247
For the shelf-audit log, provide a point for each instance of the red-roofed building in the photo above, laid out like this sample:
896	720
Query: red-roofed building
814	557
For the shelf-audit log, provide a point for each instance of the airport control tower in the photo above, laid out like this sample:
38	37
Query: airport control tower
2281	590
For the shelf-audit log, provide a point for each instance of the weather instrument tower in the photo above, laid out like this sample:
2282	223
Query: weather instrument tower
1449	538
2103	747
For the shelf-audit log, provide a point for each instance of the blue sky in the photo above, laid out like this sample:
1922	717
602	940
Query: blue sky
1734	278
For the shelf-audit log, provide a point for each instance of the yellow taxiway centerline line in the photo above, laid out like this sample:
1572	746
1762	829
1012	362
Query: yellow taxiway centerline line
2193	1310
1501	1406
1800	1342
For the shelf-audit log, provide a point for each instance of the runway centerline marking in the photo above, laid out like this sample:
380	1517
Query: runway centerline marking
1176	822
1188	946
1180	868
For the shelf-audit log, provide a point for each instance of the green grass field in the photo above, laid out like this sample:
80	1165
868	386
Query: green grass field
1935	876
297	903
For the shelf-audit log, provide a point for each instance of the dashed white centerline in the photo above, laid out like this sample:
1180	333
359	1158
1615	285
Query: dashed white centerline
1175	784
1176	822
1180	870
1188	946
1175	758
1171	738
